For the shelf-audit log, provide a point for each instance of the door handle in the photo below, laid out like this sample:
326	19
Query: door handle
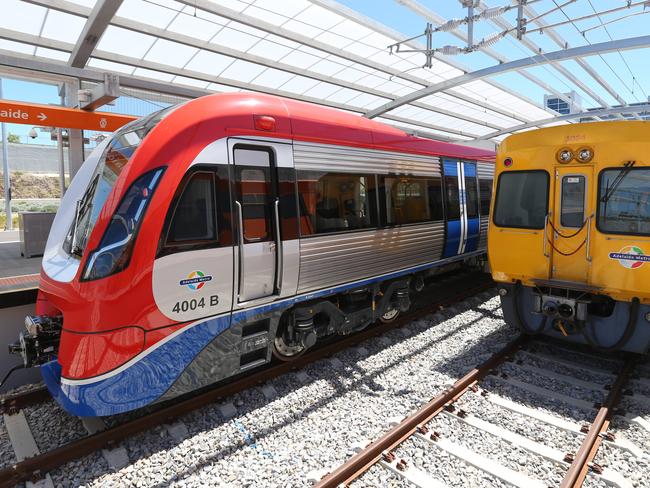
240	243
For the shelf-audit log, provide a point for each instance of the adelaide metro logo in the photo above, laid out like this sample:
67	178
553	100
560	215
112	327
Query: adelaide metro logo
195	280
631	257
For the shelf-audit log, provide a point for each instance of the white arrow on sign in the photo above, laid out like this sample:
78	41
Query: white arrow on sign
42	116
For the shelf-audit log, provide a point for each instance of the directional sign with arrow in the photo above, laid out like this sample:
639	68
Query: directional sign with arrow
53	116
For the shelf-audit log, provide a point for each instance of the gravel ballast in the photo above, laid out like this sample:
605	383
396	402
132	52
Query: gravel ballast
292	430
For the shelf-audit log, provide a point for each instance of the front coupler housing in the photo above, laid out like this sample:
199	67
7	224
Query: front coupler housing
39	342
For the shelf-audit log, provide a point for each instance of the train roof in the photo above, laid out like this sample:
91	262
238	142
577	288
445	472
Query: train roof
614	131
314	123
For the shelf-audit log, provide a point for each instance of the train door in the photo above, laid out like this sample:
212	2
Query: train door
569	225
461	190
256	218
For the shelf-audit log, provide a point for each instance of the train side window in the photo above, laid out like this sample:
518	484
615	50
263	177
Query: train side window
410	199
485	187
452	195
471	196
572	204
434	187
256	190
194	219
522	199
336	202
624	201
255	195
407	199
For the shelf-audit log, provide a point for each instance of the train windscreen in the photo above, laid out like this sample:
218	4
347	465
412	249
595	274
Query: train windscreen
116	156
624	201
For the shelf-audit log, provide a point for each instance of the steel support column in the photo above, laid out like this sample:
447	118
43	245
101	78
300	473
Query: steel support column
75	136
5	171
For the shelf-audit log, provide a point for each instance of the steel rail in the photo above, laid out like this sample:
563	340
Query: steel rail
36	467
366	458
11	404
581	464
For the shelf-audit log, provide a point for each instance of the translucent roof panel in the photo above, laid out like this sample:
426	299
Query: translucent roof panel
311	50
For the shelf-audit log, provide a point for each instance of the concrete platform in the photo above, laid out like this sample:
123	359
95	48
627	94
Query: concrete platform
16	272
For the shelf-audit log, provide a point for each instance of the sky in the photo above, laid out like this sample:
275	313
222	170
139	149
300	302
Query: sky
627	72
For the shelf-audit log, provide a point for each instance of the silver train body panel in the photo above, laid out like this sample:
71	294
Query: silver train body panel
335	259
485	171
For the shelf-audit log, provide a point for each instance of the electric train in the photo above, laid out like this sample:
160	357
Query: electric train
202	241
569	240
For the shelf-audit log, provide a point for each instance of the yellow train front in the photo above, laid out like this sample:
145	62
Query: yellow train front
569	240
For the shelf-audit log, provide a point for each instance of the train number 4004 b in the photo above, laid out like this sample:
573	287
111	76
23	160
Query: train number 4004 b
193	304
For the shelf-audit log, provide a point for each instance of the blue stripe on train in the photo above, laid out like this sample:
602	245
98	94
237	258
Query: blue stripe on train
150	377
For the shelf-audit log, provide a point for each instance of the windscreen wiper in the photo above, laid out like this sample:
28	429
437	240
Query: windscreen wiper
82	207
617	181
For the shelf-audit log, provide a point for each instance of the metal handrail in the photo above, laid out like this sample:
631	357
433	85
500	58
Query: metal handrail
545	236
278	241
588	238
240	243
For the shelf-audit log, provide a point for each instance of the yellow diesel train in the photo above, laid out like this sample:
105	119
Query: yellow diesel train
569	239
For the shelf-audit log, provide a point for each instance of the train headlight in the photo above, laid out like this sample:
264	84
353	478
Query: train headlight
507	162
585	154
647	317
564	155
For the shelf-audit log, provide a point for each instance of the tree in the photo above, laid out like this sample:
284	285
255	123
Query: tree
13	138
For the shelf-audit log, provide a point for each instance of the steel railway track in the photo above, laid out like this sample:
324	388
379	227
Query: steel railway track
447	292
382	451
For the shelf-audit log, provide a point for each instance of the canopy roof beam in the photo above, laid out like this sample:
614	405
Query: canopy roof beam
31	63
561	42
578	115
541	59
438	20
533	47
378	27
153	31
96	24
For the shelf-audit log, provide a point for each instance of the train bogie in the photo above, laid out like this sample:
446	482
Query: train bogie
201	242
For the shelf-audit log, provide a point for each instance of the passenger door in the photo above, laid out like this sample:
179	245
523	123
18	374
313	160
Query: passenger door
256	219
570	224
461	190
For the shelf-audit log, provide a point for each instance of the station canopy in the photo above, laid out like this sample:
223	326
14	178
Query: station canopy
317	51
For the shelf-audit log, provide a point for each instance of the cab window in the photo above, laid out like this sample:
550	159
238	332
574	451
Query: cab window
624	201
522	199
193	218
572	211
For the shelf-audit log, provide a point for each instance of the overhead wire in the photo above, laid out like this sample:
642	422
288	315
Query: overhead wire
572	22
604	26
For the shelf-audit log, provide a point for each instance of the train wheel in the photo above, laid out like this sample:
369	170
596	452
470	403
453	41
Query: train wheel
285	352
390	315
